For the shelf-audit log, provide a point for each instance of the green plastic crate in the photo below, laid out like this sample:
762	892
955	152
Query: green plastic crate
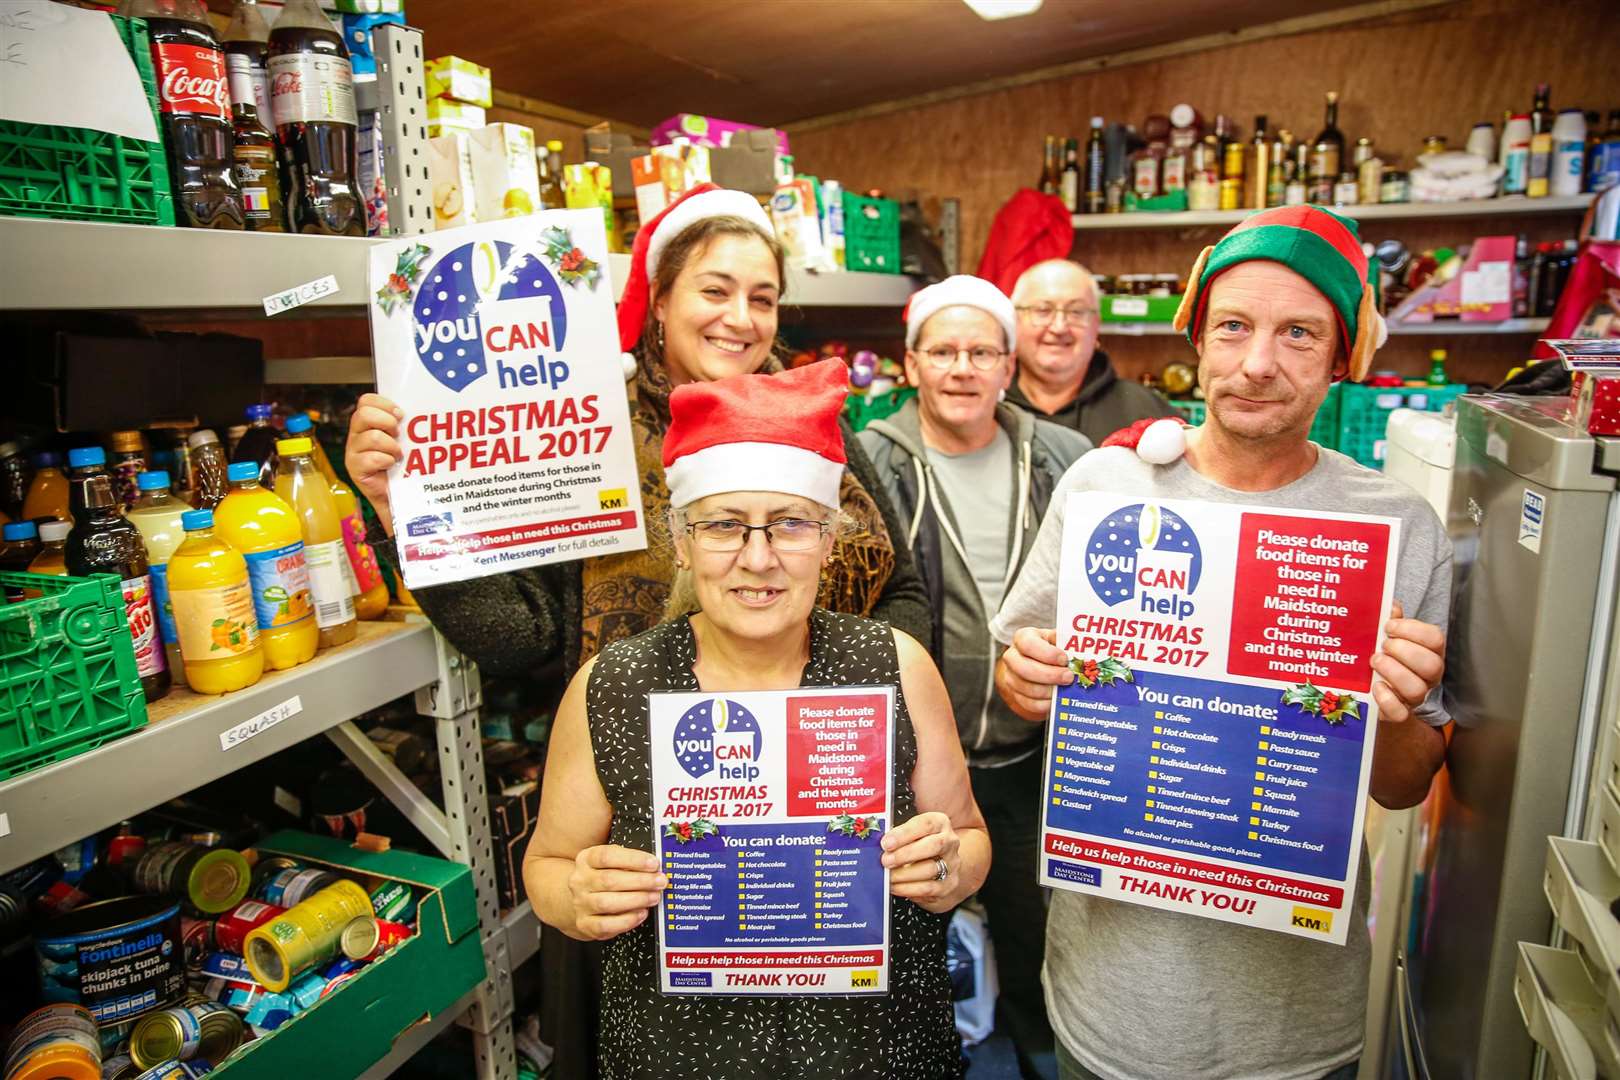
64	172
871	234
1364	415
355	1026
68	681
1325	428
862	409
1191	409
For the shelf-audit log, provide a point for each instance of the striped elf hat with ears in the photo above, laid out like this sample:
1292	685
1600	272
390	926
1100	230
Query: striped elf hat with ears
1316	244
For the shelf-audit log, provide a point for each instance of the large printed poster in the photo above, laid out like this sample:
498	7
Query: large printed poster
499	343
769	809
1212	755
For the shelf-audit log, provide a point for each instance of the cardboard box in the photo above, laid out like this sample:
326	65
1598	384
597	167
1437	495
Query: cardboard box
460	80
450	171
445	116
506	180
708	131
616	150
373	182
798	225
357	36
751	163
512	819
354	1027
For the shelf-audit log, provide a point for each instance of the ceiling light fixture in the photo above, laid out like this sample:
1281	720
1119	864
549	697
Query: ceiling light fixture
990	10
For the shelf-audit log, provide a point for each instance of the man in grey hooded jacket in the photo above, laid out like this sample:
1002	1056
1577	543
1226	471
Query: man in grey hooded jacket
970	477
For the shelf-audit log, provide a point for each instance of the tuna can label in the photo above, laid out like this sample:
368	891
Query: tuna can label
52	1028
155	872
117	972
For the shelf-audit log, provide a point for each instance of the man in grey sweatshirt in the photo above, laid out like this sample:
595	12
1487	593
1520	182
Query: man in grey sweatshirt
970	478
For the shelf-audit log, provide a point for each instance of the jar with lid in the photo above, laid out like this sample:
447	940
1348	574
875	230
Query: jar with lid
1394	187
1204	175
1346	190
1162	285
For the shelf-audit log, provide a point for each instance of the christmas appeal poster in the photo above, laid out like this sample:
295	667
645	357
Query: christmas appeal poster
769	808
1212	755
499	343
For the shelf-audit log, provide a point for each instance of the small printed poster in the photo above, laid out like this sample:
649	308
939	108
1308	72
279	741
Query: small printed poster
769	809
1213	753
499	343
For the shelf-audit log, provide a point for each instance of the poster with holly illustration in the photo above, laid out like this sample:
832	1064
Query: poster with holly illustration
499	343
1212	754
769	809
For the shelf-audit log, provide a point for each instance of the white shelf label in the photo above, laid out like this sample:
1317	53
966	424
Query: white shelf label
300	295
5	825
231	738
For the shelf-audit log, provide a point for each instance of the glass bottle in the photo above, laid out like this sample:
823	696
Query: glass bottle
102	542
1327	154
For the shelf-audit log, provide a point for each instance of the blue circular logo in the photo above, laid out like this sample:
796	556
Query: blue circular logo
711	724
1147	538
461	308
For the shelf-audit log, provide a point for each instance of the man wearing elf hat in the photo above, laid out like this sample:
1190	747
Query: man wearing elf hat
1277	311
972	476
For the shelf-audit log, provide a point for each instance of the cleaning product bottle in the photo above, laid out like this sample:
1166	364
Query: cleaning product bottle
156	514
102	542
213	608
1437	368
48	491
370	590
255	522
301	485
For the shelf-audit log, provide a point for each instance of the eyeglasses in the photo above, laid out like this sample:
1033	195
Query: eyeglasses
1043	314
983	357
784	534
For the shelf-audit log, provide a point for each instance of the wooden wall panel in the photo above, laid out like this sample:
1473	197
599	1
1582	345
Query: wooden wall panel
1400	78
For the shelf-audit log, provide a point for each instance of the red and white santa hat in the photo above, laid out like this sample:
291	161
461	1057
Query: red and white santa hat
960	290
702	202
758	433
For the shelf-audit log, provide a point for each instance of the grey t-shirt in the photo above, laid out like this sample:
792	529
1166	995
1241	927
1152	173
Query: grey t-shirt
977	487
1136	993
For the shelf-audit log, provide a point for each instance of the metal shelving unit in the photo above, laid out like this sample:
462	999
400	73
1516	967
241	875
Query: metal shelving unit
1510	205
1446	326
78	265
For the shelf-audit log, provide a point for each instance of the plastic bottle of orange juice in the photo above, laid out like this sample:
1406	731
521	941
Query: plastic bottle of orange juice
48	491
266	532
301	485
213	609
370	590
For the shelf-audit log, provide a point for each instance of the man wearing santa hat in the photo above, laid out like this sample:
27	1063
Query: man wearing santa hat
973	476
1278	310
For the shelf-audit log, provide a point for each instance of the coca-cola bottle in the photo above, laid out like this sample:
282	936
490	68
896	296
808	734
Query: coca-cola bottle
196	108
254	153
312	100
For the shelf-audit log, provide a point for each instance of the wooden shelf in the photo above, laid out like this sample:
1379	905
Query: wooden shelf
1444	326
1510	205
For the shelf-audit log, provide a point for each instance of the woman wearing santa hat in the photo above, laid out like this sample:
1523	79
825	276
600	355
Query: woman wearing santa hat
706	281
754	466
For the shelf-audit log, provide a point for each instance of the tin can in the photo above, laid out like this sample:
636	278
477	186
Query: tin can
307	989
177	1070
304	935
126	847
205	1029
57	1042
395	901
117	958
198	938
367	937
235	925
31	881
118	1067
333	984
288	888
212	879
266	867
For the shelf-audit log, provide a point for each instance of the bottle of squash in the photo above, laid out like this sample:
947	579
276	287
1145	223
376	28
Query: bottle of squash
267	533
370	590
301	485
212	600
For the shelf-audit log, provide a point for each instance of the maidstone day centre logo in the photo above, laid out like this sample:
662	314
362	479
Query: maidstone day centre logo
719	732
1145	552
485	303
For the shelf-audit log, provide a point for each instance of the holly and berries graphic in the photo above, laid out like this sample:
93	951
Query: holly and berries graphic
858	826
397	289
1330	705
686	831
572	265
1104	672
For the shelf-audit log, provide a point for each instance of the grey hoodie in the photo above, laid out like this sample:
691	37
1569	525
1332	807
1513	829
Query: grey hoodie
961	643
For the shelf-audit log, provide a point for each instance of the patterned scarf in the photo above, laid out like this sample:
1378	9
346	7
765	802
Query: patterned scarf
624	594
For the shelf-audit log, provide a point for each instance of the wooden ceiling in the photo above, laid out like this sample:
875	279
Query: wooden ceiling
773	62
